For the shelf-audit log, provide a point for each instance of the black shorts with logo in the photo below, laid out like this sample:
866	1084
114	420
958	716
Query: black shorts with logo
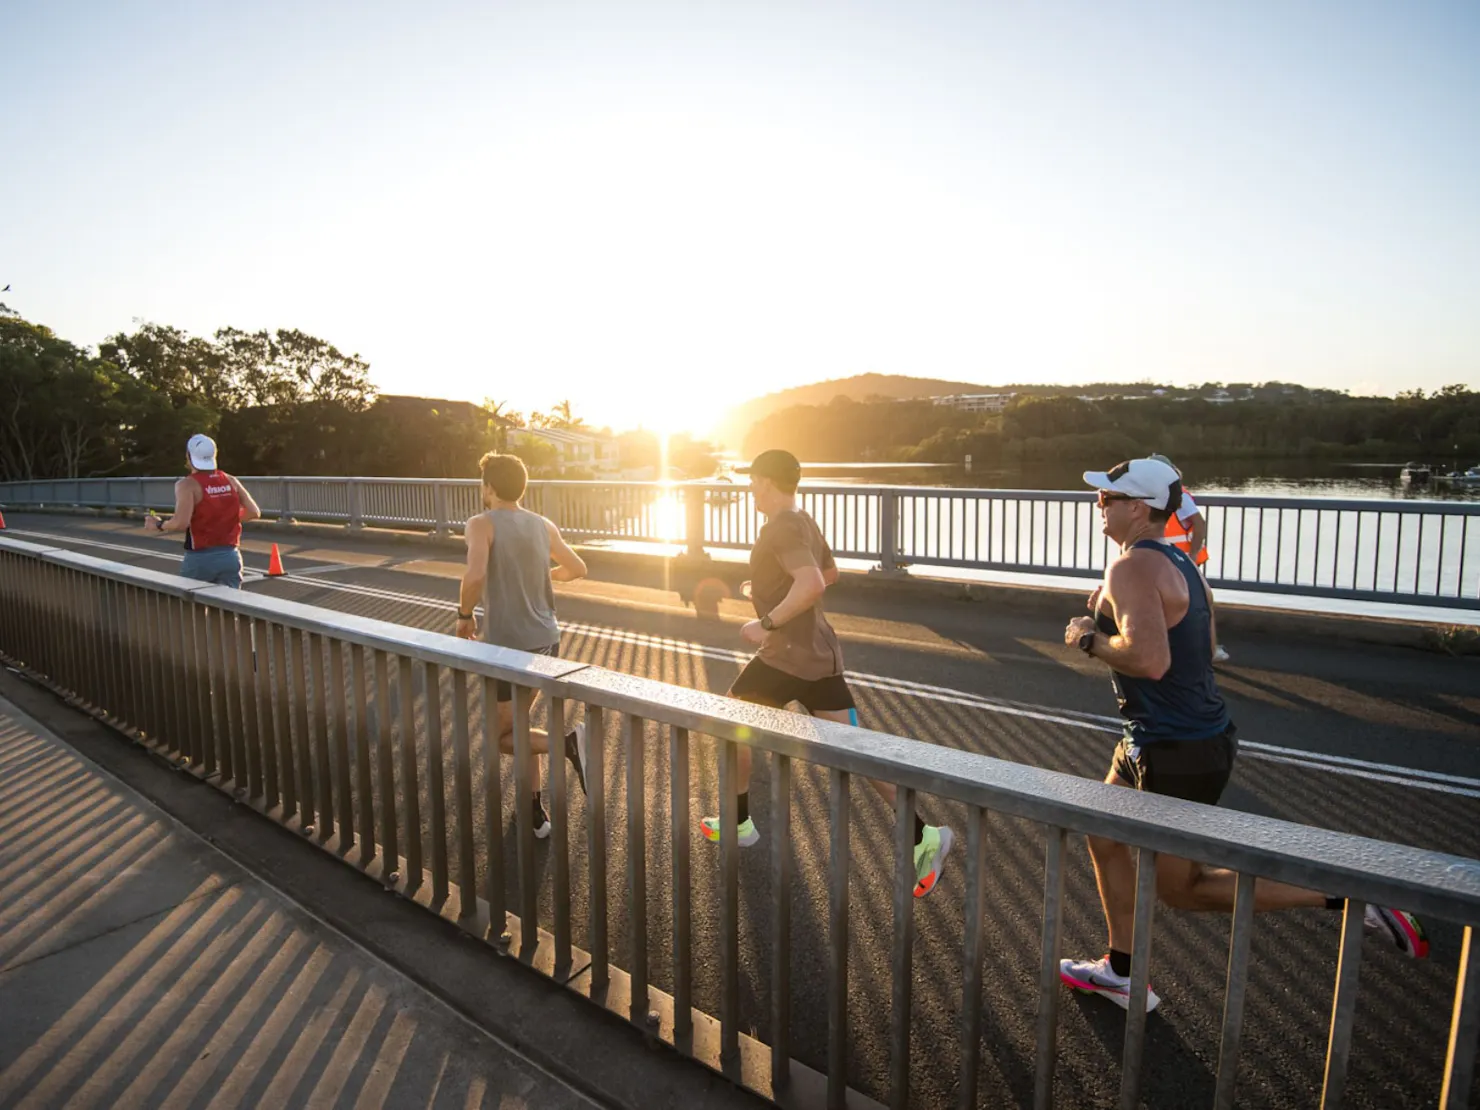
1197	770
762	684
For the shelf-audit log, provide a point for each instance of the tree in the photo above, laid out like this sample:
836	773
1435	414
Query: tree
291	367
184	368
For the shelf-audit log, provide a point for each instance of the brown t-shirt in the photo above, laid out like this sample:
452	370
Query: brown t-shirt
806	646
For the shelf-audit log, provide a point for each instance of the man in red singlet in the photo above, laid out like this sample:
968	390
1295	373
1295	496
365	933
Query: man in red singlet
210	506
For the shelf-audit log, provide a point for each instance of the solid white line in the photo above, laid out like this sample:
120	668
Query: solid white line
1459	785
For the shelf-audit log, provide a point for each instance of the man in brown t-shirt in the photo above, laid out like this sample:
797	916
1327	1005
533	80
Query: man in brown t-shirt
799	659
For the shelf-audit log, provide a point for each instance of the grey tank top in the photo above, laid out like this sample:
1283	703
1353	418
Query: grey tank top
518	597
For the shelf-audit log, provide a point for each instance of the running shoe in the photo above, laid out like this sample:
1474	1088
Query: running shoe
575	751
930	857
709	826
541	821
1098	977
1220	654
1400	927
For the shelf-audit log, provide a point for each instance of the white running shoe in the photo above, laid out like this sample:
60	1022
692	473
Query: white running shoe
1405	931
1220	654
1097	977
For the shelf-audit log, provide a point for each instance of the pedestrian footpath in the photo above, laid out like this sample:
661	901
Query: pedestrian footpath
141	967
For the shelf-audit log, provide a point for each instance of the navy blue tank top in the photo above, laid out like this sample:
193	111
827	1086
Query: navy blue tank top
1184	704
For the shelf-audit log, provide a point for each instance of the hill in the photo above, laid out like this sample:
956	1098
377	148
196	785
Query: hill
860	387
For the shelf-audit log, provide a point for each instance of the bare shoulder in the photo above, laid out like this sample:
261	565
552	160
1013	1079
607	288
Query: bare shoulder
478	529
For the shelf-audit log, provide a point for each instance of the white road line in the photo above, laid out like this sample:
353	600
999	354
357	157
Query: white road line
1459	785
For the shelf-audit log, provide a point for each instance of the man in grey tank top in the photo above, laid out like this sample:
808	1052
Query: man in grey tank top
508	570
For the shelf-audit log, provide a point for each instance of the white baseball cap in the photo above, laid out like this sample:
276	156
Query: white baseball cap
202	452
1156	483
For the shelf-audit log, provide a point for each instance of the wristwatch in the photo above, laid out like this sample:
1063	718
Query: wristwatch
1087	643
767	623
464	616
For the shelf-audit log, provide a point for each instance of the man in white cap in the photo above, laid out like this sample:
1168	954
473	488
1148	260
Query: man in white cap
1153	627
210	508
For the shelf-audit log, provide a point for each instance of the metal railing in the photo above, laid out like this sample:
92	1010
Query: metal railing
1409	552
378	743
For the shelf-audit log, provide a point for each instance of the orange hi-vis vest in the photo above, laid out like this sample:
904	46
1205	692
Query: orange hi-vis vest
1179	535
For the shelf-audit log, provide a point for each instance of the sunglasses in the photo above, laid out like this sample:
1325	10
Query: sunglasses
1104	497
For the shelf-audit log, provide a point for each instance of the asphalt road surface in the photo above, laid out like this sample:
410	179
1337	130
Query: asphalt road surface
1381	742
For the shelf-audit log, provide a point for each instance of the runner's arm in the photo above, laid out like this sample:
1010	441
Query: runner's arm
568	565
250	510
807	585
1142	648
185	495
478	535
1212	614
1197	539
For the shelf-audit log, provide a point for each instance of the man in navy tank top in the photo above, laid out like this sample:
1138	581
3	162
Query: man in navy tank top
1153	627
210	508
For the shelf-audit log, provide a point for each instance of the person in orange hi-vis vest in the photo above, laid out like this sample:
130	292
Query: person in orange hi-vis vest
1188	529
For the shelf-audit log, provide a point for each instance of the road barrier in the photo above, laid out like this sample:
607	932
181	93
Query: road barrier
378	743
1408	552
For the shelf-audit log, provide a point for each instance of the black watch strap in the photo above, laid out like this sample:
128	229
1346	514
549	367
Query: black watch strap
464	616
1087	643
767	623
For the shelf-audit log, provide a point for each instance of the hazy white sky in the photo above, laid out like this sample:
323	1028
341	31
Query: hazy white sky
660	209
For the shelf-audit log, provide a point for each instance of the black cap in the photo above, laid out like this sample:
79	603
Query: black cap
779	466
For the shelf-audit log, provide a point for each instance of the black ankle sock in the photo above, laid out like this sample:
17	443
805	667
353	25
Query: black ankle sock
539	806
1120	962
572	752
1333	903
742	813
919	829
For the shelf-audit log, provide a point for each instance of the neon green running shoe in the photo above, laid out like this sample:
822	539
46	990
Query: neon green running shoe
930	857
748	834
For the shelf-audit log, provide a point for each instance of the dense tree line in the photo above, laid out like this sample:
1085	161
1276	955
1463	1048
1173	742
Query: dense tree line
1270	424
277	402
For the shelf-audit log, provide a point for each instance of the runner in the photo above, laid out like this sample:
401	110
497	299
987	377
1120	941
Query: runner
210	508
509	555
1187	529
1153	626
798	657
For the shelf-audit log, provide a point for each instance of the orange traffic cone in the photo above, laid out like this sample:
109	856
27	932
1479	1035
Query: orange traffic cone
275	563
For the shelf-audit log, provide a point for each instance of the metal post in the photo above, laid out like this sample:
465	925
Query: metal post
888	530
356	504
439	509
285	515
693	498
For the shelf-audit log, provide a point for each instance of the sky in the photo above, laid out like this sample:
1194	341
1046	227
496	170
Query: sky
658	210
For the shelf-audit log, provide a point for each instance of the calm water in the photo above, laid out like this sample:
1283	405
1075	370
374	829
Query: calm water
1273	478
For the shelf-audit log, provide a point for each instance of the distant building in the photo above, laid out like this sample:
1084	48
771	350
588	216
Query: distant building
575	448
975	402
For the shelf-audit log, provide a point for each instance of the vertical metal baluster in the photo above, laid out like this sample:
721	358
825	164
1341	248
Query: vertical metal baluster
837	939
971	964
282	640
1135	1018
781	871
251	728
267	737
1357	553
683	971
1343	1003
300	729
462	789
231	688
904	936
1233	998
1464	1028
364	790
1048	973
139	686
729	912
436	788
559	848
200	662
343	780
596	847
634	735
524	790
321	736
495	880
1398	556
1443	539
1299	535
390	851
410	781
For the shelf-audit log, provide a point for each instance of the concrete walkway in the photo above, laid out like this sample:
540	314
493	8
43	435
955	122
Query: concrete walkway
141	967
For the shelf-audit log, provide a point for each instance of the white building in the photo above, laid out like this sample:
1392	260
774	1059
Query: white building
575	448
975	402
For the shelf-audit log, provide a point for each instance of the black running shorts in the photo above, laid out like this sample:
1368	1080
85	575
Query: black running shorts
762	684
505	692
1197	770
